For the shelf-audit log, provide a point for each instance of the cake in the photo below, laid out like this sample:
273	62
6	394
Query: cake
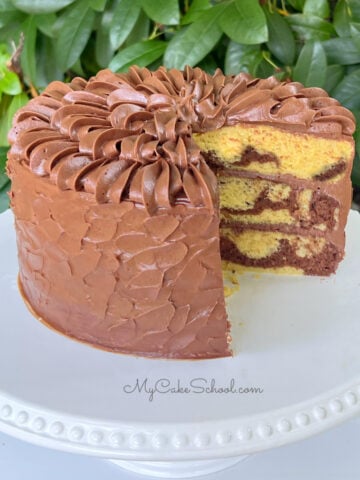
132	192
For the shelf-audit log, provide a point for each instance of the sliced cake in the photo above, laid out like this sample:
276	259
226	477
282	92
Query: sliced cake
129	189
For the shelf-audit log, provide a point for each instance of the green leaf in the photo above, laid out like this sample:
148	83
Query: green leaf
319	8
141	54
4	54
3	157
190	45
4	199
8	14
87	61
264	69
103	48
343	51
244	22
6	119
77	68
41	6
165	12
7	6
297	4
124	18
4	180
195	10
281	41
350	68
342	18
8	19
16	102
45	23
355	175
208	64
74	34
354	6
334	75
140	30
28	55
310	68
47	65
242	58
9	82
155	64
355	33
98	5
310	27
348	90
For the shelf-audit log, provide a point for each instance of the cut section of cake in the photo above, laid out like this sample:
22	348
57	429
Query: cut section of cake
128	190
284	195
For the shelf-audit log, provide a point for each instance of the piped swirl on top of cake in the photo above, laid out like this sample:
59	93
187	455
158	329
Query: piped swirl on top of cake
130	136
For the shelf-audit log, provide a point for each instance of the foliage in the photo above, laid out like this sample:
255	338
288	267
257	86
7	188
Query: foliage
12	97
316	42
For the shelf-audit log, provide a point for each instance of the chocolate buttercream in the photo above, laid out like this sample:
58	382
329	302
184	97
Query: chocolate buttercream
115	277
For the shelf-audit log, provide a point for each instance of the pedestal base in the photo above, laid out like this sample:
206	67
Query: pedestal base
179	469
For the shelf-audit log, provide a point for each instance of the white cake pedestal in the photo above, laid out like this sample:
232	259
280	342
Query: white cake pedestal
295	373
179	469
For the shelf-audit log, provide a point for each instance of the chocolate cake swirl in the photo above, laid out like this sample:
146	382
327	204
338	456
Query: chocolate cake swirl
129	136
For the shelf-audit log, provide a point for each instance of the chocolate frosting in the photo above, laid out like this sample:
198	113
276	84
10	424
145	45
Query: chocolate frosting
115	277
128	136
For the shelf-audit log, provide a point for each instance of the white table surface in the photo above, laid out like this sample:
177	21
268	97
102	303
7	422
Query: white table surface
329	456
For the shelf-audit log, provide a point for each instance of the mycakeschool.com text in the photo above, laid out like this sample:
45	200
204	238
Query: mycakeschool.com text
195	386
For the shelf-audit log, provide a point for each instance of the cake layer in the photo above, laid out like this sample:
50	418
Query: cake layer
118	278
236	269
311	254
256	200
270	150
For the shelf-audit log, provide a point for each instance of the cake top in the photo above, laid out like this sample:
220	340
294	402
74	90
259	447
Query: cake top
129	136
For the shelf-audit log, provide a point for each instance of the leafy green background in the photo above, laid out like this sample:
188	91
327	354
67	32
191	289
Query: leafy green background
316	42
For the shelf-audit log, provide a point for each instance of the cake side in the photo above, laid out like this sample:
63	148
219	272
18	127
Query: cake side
117	278
134	262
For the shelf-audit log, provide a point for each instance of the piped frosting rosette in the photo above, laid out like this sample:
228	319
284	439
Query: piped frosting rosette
129	136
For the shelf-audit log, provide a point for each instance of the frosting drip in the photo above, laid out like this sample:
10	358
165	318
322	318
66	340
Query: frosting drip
129	136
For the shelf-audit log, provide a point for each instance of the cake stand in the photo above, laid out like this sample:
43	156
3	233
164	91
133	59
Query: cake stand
295	373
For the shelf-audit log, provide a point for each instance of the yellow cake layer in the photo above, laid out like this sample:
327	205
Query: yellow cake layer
231	282
242	193
238	193
235	268
301	155
256	244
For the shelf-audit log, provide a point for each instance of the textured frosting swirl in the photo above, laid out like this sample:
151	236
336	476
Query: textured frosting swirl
129	136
